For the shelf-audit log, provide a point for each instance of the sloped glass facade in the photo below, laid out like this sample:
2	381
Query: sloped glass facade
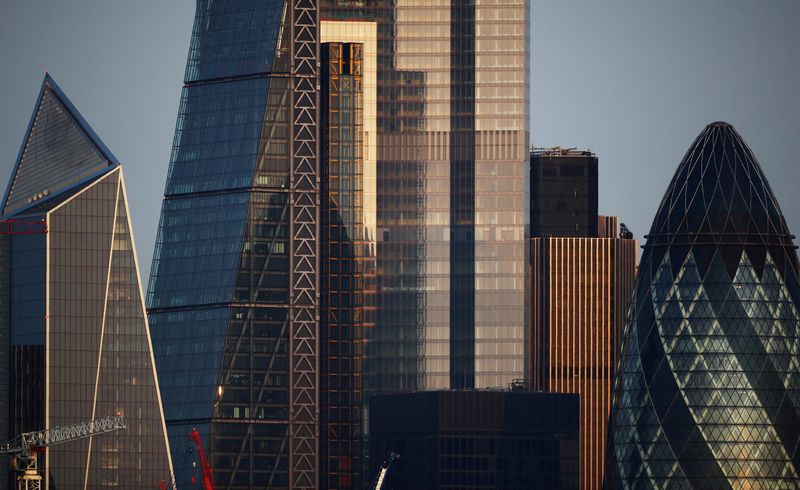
707	393
232	292
79	343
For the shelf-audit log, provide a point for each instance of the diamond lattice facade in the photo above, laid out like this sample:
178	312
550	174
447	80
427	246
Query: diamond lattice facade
73	308
707	393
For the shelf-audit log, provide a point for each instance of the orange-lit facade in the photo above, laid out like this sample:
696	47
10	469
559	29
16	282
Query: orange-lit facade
579	292
347	298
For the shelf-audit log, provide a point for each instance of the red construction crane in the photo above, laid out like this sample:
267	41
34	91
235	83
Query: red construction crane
205	468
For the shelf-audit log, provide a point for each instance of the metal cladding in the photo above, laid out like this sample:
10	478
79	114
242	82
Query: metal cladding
707	393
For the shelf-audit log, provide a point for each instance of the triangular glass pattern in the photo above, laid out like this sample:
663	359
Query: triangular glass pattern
710	349
60	150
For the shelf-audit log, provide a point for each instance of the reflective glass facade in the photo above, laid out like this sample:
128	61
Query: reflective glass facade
232	297
80	345
452	174
707	393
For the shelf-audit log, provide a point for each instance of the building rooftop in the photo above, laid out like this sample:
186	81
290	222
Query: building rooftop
557	151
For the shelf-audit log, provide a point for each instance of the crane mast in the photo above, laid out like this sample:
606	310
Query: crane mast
387	463
205	468
24	448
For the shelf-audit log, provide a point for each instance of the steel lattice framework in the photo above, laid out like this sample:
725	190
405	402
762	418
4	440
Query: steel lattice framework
59	435
304	346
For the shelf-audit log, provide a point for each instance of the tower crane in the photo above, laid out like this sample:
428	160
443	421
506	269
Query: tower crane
24	448
387	463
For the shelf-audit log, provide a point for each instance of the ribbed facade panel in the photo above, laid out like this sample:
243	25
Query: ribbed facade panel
579	287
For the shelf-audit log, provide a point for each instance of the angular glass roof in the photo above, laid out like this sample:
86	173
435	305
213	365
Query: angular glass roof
60	151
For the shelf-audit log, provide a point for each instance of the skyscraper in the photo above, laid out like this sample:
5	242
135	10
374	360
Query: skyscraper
233	290
563	193
707	394
452	146
73	307
347	292
579	294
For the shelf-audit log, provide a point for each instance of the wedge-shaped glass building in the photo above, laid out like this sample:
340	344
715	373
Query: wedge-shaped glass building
232	298
707	393
72	308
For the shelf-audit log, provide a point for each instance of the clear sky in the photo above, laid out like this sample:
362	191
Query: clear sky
633	81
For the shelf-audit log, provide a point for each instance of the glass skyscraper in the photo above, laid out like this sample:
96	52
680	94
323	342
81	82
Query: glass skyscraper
452	149
233	290
707	392
72	308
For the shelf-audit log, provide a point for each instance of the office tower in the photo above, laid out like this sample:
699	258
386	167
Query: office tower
563	192
233	290
579	293
707	392
73	309
476	439
347	289
452	136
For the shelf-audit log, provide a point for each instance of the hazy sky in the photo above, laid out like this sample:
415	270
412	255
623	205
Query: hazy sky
633	81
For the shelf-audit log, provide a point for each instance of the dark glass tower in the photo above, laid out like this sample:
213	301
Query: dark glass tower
73	310
563	193
707	394
232	297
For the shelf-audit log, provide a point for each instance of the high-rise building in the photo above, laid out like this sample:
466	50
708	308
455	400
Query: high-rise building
579	294
233	293
347	265
563	193
707	392
72	308
476	439
451	144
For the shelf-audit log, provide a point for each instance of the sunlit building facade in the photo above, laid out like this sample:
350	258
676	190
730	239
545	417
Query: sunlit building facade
451	152
233	293
347	291
707	392
579	294
73	311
